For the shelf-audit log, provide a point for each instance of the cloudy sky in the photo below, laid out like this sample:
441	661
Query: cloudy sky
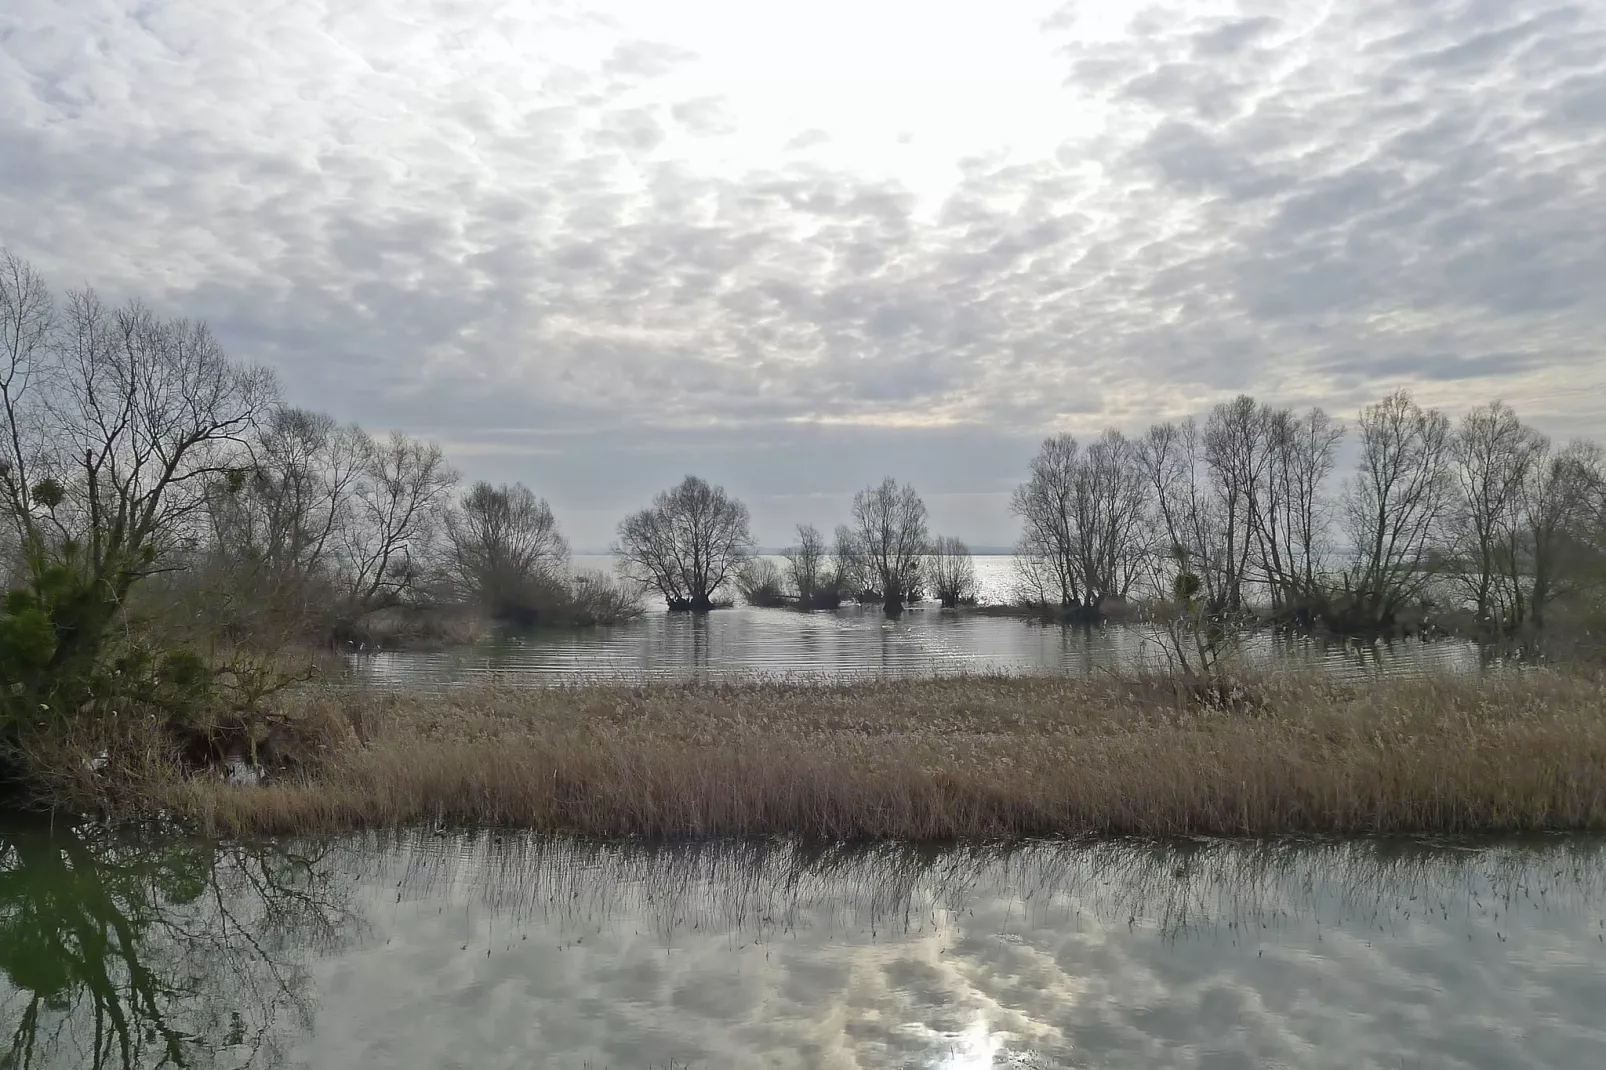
596	245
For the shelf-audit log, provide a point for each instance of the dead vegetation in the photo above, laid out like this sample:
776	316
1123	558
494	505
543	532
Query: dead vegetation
936	760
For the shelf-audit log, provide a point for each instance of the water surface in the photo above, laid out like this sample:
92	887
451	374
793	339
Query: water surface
482	950
858	642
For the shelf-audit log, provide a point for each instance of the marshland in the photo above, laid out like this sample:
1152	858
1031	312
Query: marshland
290	711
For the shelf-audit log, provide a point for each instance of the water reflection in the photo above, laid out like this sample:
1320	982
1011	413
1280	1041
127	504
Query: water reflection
117	953
861	643
1110	954
502	950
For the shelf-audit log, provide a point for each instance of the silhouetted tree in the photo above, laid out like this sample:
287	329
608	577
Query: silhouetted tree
890	530
398	504
687	544
1082	512
953	573
1495	456
805	565
1395	506
504	549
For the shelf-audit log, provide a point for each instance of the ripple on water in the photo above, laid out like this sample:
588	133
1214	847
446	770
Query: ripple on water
858	643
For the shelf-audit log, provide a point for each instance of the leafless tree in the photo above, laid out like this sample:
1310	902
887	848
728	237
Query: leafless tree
890	529
1292	516
687	544
850	569
1082	512
1113	500
1395	506
1185	513
805	565
503	548
1045	506
116	423
760	582
398	502
285	510
1564	513
27	329
1495	456
953	572
1236	457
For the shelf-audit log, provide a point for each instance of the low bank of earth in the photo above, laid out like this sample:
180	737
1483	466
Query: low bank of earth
939	760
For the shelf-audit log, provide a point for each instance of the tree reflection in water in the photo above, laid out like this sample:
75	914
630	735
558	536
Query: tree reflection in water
124	953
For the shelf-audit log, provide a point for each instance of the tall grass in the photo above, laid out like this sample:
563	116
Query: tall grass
957	759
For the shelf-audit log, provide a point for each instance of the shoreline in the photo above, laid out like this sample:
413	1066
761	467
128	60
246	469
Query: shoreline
950	760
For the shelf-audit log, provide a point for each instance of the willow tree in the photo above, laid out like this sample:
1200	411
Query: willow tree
889	528
687	544
503	549
1082	512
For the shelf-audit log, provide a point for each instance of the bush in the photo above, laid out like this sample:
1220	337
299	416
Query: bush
760	583
598	598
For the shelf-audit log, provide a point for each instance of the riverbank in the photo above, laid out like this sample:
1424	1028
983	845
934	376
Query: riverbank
935	760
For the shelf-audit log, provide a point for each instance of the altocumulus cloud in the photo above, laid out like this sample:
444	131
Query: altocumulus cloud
592	246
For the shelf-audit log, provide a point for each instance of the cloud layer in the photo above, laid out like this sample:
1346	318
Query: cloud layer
545	233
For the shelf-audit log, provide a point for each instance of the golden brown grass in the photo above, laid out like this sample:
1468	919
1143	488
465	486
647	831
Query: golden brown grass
976	758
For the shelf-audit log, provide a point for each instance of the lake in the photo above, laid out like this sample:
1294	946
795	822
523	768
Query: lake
860	642
484	950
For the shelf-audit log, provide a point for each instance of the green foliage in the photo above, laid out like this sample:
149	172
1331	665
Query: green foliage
67	655
49	493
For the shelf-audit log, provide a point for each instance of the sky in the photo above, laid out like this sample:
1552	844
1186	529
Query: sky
594	247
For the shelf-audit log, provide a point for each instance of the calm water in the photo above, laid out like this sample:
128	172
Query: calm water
481	951
859	642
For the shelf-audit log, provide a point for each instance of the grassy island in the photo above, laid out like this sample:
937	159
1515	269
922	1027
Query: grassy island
934	760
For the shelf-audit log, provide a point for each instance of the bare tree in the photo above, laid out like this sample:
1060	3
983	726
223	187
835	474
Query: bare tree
1112	501
285	510
953	573
504	549
116	424
805	565
1395	505
270	567
1044	504
890	529
398	503
1186	514
760	583
1564	513
1495	456
1236	457
850	569
1292	517
1082	513
687	544
27	328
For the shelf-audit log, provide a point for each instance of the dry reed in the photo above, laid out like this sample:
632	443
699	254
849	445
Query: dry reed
941	760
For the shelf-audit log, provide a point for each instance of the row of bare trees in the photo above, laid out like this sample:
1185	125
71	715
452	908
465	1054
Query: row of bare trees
141	467
1484	516
694	541
170	530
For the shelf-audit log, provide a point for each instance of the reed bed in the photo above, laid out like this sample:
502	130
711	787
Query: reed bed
982	758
